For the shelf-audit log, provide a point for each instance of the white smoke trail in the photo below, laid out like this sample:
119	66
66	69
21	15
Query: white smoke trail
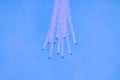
58	27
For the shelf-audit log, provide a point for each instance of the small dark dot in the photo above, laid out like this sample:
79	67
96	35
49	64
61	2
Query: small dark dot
42	49
58	53
54	43
71	54
56	38
64	37
49	57
62	57
75	43
48	43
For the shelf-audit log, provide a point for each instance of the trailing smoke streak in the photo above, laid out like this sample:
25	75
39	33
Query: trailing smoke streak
58	28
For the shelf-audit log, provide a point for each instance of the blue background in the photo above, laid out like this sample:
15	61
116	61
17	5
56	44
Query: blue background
23	28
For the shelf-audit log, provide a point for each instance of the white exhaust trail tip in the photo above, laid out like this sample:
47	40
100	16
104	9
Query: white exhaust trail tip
61	28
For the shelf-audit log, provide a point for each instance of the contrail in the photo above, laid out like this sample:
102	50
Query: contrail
60	24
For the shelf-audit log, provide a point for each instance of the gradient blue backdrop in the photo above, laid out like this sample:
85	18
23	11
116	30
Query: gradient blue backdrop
24	25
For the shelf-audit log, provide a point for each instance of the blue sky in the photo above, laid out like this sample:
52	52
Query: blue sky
24	25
